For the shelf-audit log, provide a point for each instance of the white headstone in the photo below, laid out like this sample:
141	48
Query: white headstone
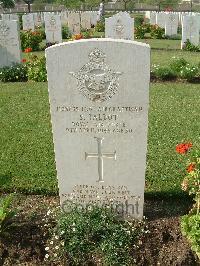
147	14
53	28
14	17
120	26
10	50
94	18
64	18
152	18
28	22
74	24
190	30
160	19
85	20
171	24
38	20
98	91
5	16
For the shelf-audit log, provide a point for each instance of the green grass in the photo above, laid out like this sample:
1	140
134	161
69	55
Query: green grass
162	43
163	58
159	57
26	148
173	118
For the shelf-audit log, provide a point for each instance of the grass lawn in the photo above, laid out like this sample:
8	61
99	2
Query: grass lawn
158	56
162	43
26	148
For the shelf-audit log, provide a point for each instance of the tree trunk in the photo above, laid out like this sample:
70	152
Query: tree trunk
29	7
125	5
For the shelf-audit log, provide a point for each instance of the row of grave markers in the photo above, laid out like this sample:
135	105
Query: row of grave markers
119	26
171	20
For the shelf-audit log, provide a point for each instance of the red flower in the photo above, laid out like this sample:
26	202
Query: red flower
183	147
28	50
23	60
191	167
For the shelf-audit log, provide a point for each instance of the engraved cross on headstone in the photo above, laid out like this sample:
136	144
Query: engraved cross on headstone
100	156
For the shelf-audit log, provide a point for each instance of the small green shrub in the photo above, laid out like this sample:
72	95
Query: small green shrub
6	212
177	64
66	34
87	34
100	27
157	32
138	21
15	73
164	73
140	32
41	30
37	69
189	72
88	236
31	40
191	47
190	227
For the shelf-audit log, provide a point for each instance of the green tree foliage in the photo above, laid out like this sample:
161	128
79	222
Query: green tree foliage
80	3
7	3
163	4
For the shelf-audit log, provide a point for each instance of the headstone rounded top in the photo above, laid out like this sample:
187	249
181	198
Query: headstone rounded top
109	40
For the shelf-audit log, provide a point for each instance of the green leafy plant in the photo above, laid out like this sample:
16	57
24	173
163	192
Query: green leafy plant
66	34
6	212
141	30
190	228
164	73
94	235
37	69
189	72
191	181
190	224
30	39
41	30
138	21
15	73
157	32
177	64
188	46
100	27
87	34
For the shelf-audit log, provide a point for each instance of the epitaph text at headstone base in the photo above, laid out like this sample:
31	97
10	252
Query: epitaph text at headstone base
98	93
10	48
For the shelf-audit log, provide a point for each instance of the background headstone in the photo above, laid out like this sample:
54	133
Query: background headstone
152	18
10	50
190	30
120	26
53	28
85	20
98	93
74	23
171	24
160	19
28	22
